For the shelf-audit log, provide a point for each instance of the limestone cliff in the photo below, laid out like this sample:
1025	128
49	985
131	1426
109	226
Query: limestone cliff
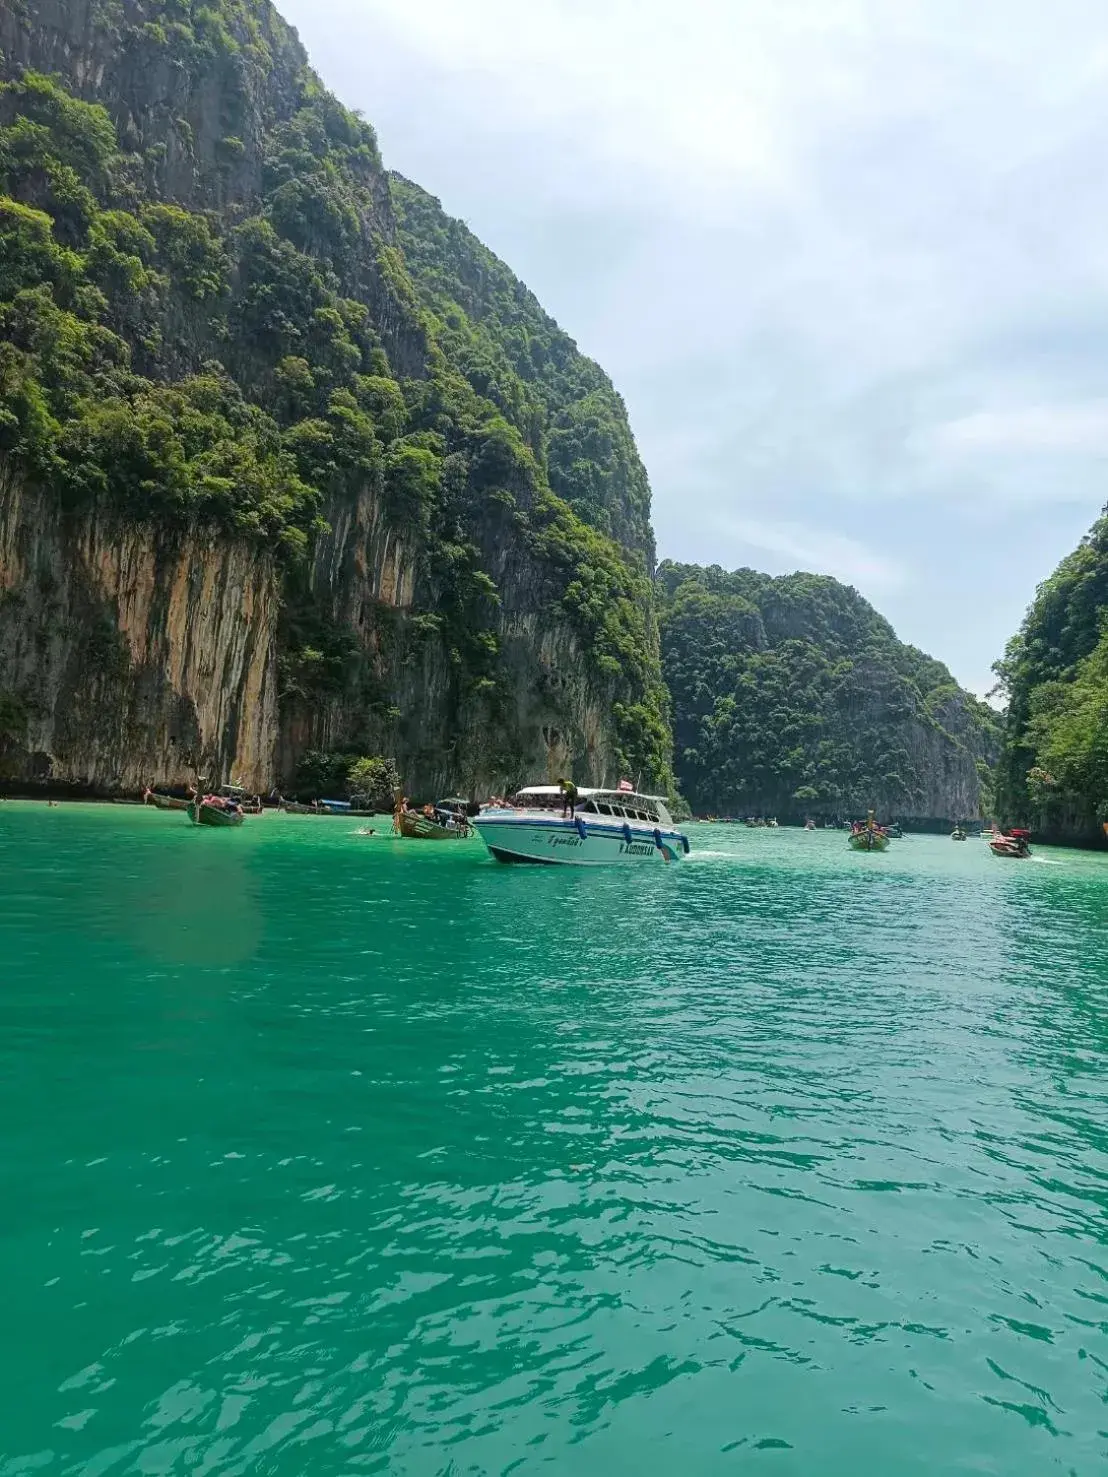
137	655
273	476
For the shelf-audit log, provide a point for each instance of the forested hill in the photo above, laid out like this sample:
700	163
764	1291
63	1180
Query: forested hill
288	460
1053	770
794	697
514	354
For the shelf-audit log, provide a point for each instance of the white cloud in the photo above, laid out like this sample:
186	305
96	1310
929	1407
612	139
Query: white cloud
797	546
1080	429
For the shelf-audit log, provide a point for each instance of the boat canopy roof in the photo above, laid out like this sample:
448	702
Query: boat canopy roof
453	800
588	793
606	801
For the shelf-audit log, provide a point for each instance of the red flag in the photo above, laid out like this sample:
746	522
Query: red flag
626	787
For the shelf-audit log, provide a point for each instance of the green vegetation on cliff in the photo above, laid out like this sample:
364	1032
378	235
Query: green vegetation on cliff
218	313
1053	770
793	696
513	353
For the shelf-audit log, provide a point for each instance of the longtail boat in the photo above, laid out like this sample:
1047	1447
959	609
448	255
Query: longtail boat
1015	844
868	837
446	821
207	812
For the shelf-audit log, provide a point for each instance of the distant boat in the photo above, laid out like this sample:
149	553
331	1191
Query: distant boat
894	831
959	833
809	825
325	807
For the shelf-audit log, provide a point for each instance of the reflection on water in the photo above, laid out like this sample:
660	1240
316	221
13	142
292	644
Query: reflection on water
337	1155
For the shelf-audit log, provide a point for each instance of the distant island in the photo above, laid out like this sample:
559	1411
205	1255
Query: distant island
794	698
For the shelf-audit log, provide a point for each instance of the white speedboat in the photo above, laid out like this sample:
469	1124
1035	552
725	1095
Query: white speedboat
609	826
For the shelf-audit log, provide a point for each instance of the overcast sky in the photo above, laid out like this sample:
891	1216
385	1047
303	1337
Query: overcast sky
846	260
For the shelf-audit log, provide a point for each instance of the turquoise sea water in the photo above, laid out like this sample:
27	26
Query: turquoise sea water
330	1154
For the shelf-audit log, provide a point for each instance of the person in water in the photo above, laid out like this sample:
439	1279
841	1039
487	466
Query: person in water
569	798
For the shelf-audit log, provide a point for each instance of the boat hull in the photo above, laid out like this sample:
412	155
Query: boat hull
869	841
211	815
998	848
555	842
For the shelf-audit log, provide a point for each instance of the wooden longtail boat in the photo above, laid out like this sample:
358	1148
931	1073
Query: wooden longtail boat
869	837
1014	844
202	813
417	825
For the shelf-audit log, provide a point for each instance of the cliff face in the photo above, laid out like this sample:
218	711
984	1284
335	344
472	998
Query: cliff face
795	698
279	472
543	716
136	655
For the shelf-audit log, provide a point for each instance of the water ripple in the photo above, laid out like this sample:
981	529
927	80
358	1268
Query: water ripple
346	1157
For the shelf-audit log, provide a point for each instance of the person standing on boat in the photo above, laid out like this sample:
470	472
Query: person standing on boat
569	798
